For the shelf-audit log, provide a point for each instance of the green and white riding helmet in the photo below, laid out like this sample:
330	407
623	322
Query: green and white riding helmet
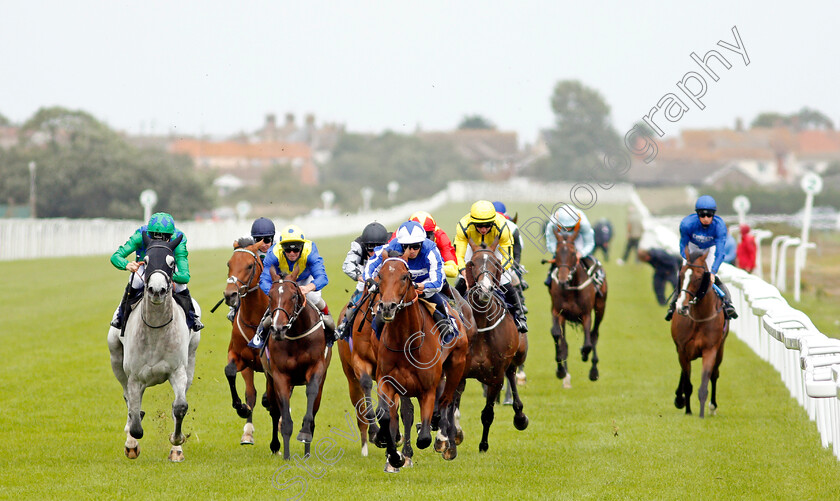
160	225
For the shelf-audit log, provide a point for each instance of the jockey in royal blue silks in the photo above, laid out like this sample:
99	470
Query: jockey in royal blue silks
426	267
704	230
293	250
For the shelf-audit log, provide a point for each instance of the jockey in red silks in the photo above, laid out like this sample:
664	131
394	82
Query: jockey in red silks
441	240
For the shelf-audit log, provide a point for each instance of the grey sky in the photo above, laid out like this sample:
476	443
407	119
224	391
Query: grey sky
219	67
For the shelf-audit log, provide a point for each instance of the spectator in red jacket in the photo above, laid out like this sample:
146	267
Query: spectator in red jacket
746	250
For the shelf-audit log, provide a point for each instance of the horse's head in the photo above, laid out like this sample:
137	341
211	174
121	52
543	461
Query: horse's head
565	255
483	271
695	280
395	285
285	301
244	270
159	266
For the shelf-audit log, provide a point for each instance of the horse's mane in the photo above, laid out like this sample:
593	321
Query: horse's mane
695	254
245	242
393	253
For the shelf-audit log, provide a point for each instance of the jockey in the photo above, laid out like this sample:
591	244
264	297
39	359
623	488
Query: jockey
704	230
361	250
483	225
161	226
568	219
290	250
426	268
262	232
440	239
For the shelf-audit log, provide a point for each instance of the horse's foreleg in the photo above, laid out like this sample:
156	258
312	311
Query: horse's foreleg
586	323
709	359
369	416
273	410
684	389
133	427
427	407
308	425
387	413
178	380
487	415
714	378
407	415
283	395
561	348
520	420
250	402
230	374
459	433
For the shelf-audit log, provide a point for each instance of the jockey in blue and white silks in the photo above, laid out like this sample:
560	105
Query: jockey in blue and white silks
293	250
700	231
426	267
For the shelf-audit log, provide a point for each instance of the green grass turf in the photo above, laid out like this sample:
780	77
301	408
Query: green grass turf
62	413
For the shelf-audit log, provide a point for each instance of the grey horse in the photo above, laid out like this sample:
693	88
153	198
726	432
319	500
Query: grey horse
156	346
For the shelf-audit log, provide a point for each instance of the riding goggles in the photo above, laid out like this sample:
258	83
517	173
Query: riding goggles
292	247
483	225
159	236
705	213
267	239
411	246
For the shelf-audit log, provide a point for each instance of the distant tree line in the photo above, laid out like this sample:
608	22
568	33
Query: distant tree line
85	169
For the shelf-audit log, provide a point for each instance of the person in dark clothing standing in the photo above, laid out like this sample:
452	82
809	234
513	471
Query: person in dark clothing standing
603	234
666	268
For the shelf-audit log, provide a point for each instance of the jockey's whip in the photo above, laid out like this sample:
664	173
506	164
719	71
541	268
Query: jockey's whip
213	310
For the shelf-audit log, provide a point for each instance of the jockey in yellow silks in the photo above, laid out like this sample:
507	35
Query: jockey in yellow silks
482	226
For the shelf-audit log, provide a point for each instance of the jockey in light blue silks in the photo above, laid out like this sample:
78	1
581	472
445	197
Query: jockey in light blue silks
426	267
567	219
292	250
700	231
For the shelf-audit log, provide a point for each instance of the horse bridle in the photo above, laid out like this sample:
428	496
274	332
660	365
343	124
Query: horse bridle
243	286
403	304
299	306
699	296
167	276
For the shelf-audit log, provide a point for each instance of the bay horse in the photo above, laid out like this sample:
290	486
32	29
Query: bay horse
496	347
411	361
699	329
358	360
243	292
574	296
295	354
157	347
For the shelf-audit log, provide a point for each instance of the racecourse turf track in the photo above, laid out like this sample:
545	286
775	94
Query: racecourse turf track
62	412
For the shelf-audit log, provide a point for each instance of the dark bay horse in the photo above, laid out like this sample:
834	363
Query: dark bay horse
243	292
412	360
699	330
497	348
296	354
574	295
157	347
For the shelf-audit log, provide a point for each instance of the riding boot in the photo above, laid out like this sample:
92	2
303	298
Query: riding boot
377	325
548	277
184	300
130	296
461	286
257	341
329	322
444	326
521	296
515	308
671	309
728	309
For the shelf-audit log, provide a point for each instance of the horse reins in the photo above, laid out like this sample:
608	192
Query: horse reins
168	287
493	295
693	302
403	304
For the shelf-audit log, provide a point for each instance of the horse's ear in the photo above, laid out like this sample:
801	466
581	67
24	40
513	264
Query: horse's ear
384	254
495	242
557	234
515	217
472	244
295	272
274	275
236	244
686	253
176	242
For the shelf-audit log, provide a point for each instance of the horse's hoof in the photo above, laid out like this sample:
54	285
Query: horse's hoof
593	374
380	440
408	462
441	445
400	441
560	372
397	460
567	381
424	442
584	353
372	431
179	440
459	436
390	469
483	446
712	410
520	423
450	453
176	456
264	400
132	452
246	440
679	403
304	437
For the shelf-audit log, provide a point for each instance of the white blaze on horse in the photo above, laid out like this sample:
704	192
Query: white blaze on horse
157	346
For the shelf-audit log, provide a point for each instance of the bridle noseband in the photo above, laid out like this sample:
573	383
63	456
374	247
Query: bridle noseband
298	306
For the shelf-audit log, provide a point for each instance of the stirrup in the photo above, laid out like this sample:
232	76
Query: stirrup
670	314
729	311
256	342
197	325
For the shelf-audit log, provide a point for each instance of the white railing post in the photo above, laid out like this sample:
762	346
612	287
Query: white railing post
781	279
774	252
